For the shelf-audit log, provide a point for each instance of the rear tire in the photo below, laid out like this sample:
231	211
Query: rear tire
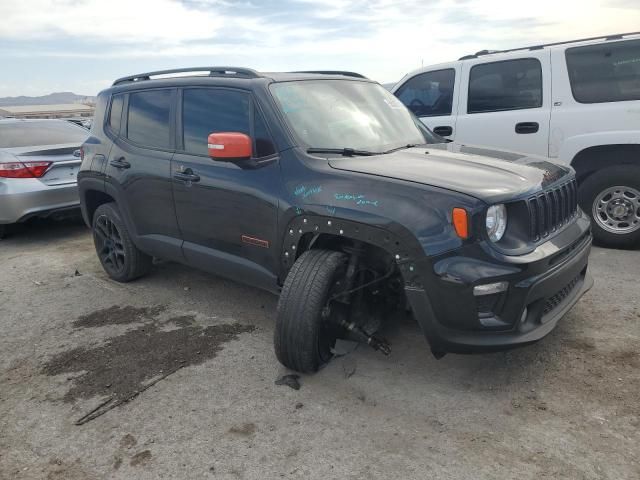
4	229
303	339
119	257
611	197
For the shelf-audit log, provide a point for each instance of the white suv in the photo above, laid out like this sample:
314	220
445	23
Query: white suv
578	102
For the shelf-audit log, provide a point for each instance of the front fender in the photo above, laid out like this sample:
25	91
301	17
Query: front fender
406	210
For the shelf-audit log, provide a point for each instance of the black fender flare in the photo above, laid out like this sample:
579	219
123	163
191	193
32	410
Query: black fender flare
111	190
86	185
405	248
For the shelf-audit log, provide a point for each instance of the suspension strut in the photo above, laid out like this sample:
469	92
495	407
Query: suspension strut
355	330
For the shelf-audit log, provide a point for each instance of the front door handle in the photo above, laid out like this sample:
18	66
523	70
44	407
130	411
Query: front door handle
120	163
187	176
527	127
443	130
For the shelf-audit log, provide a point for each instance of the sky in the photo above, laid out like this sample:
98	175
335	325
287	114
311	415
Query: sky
83	45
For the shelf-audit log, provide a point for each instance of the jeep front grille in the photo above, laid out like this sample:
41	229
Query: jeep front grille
550	209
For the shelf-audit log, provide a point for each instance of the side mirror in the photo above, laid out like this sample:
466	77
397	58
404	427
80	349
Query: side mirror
229	146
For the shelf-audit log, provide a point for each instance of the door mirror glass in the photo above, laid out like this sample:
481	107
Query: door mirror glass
229	146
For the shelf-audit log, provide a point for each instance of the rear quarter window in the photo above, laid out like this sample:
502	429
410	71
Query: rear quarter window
115	113
607	72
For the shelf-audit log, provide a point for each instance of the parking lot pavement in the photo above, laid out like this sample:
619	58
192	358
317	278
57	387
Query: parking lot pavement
181	367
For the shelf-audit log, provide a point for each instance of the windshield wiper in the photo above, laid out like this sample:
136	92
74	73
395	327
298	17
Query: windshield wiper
345	152
403	147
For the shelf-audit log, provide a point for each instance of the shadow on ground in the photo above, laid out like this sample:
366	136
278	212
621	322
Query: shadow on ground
46	230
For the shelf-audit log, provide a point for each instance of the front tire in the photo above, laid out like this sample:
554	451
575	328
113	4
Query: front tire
611	197
119	257
303	337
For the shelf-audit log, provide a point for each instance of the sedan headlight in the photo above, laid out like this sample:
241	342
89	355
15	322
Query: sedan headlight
496	222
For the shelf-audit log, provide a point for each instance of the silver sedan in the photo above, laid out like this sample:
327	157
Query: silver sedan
39	161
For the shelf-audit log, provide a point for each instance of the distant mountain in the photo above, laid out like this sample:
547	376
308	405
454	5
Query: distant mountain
51	99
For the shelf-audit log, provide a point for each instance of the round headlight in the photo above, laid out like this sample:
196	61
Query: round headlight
496	222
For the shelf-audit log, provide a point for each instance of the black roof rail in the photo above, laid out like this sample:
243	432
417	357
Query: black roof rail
617	36
213	71
334	72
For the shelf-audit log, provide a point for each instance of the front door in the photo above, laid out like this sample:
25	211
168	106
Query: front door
507	103
227	213
432	97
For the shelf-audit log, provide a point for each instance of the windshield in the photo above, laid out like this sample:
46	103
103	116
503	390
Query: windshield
46	132
338	114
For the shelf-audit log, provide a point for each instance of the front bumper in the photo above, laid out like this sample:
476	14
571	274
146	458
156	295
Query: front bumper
543	286
23	198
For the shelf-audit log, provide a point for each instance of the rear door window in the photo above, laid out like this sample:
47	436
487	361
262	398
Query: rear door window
607	72
148	120
429	94
505	85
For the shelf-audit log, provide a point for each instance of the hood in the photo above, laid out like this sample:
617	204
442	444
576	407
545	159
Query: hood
493	176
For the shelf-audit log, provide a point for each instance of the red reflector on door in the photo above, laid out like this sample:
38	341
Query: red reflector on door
255	241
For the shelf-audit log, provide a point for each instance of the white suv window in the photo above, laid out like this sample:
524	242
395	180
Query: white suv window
429	94
506	85
608	72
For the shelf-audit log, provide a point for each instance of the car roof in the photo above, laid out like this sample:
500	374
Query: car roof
295	76
556	45
224	76
497	55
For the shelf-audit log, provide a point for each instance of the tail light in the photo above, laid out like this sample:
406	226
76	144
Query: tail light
24	169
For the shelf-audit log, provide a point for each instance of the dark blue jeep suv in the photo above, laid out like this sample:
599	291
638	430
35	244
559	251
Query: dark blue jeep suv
323	188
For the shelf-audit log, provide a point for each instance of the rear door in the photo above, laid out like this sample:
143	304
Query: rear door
506	103
432	97
596	91
227	213
138	170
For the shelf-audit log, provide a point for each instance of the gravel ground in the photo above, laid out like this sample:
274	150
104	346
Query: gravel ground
173	377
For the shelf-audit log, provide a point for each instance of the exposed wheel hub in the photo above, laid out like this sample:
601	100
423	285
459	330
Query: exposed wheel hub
617	209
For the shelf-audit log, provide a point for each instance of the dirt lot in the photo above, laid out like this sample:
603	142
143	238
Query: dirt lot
181	370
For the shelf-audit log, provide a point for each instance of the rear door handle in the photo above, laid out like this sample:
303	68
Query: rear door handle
120	163
443	131
527	127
